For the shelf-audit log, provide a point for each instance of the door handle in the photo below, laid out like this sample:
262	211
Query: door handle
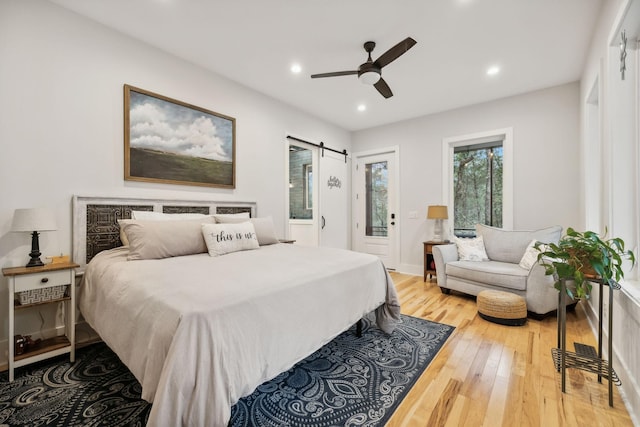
323	222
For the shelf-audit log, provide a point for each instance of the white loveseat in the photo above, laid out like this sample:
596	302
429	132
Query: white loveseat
502	271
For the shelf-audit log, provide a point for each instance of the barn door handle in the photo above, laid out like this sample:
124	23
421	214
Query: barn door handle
323	222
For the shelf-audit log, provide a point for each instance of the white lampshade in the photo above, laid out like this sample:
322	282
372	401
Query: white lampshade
33	219
369	77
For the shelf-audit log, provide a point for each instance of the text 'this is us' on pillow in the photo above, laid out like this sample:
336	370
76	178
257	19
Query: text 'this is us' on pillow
226	238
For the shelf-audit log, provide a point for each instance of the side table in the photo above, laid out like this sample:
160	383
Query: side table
49	284
429	265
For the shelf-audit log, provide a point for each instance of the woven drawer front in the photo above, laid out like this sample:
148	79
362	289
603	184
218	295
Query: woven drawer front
33	296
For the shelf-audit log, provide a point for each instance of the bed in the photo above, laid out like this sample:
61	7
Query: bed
200	332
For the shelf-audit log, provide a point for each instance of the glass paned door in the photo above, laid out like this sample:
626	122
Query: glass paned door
375	223
376	194
300	183
303	194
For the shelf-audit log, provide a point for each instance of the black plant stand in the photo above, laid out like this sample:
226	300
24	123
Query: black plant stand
585	357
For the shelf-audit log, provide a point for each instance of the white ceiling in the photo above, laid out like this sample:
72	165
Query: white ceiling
537	44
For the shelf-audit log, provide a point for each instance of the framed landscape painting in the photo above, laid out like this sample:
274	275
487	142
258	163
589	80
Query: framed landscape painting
172	142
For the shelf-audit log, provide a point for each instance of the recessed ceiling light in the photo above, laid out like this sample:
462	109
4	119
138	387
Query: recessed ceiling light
492	71
296	68
362	107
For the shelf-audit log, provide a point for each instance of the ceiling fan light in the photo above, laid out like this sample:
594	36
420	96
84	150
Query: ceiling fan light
369	77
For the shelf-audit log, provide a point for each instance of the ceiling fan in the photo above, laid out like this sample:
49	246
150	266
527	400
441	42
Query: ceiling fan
371	71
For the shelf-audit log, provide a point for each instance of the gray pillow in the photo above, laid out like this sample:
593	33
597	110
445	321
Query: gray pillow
164	239
510	245
265	231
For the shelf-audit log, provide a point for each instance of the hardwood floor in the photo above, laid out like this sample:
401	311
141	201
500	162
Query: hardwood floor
493	375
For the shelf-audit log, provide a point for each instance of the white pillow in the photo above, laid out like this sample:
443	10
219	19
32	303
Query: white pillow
530	256
164	239
471	249
156	216
160	216
222	217
265	231
226	238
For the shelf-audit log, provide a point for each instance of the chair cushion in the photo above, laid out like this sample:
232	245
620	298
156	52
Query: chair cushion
510	245
494	273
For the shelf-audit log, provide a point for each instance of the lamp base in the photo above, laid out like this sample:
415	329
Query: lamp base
437	231
35	260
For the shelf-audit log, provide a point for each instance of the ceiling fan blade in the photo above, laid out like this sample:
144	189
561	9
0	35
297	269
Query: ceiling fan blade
334	74
383	88
393	53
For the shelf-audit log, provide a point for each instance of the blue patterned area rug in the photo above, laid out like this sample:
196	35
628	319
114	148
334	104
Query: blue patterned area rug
349	382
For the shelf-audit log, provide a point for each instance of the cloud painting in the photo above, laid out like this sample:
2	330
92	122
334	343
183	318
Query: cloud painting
183	141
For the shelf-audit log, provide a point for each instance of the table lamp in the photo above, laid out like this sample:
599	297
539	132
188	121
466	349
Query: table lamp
34	220
437	212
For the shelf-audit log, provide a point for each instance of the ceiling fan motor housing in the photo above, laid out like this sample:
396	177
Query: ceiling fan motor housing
369	73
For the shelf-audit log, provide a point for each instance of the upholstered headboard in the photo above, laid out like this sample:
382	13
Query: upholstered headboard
95	219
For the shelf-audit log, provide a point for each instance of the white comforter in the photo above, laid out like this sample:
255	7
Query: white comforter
201	332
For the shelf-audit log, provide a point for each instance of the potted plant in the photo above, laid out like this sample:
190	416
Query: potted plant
580	256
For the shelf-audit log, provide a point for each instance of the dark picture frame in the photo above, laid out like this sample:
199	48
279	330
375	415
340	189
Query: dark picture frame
171	142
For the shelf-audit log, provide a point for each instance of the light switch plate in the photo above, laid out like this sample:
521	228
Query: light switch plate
413	215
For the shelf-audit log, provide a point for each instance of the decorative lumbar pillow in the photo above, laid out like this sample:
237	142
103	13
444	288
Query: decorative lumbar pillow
471	249
530	256
226	238
265	231
164	239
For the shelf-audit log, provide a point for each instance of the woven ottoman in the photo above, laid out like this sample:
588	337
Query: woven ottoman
500	307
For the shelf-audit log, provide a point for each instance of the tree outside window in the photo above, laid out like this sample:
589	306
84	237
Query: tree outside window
377	184
477	184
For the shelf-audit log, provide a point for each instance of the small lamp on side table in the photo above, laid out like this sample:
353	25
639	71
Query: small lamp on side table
437	212
34	220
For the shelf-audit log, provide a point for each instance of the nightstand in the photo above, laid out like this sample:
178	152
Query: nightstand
429	263
35	287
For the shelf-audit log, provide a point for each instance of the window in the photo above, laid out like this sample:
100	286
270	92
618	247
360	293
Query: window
308	186
377	183
478	180
300	183
477	186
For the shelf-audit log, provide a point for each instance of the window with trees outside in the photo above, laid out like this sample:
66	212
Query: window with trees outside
377	184
477	192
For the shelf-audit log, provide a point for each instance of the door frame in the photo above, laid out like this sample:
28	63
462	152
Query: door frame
394	151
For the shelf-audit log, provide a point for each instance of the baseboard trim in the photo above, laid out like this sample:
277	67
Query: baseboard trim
629	390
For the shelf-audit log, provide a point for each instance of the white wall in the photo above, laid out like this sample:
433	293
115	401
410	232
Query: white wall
619	197
61	124
546	166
